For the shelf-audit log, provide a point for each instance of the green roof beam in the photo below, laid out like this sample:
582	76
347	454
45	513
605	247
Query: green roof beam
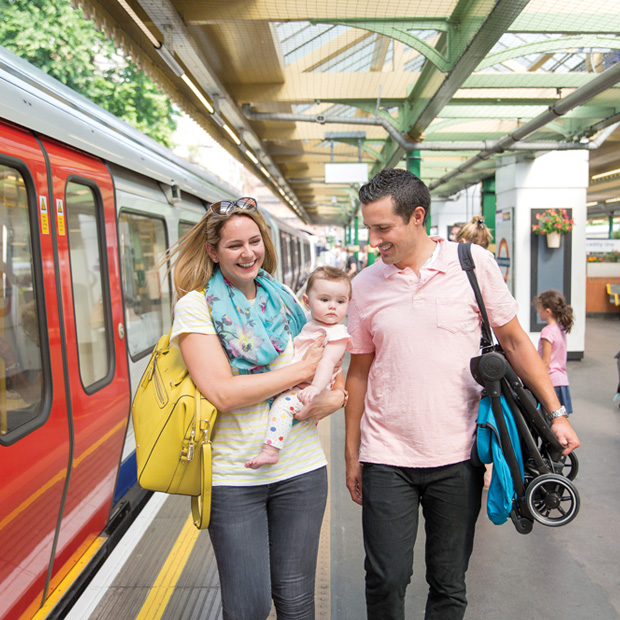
398	29
550	45
561	23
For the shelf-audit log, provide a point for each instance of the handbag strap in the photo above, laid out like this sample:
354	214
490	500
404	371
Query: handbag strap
468	266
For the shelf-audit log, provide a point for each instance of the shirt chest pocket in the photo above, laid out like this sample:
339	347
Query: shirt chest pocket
455	315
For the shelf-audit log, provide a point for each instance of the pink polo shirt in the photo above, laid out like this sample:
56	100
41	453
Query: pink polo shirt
421	401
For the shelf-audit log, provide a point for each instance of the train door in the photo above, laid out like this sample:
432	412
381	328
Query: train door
94	338
34	429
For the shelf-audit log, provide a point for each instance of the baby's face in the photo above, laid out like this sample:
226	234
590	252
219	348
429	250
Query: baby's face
328	300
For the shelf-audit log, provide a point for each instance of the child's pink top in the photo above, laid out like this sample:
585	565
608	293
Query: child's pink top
312	331
557	366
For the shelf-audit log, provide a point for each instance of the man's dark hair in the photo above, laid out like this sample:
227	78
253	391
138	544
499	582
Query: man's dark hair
406	190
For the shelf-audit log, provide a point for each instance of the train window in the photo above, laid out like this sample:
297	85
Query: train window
84	234
185	227
146	287
286	263
21	361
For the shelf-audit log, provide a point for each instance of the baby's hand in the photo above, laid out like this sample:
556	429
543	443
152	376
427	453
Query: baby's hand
308	394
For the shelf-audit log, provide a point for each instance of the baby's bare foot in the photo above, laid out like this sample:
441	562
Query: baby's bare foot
267	456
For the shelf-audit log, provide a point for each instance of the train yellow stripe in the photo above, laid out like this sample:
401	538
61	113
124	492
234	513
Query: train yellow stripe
163	588
71	576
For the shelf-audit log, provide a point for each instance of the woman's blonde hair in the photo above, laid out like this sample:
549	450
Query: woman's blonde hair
192	264
475	231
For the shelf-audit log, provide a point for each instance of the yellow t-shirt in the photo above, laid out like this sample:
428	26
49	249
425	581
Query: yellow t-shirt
238	435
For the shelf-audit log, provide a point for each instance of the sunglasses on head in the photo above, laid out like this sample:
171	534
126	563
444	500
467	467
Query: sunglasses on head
223	208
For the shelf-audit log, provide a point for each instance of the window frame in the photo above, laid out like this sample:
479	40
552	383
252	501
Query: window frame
129	211
104	269
18	433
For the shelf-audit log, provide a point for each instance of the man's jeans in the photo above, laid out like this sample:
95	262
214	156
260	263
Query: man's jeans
266	541
450	498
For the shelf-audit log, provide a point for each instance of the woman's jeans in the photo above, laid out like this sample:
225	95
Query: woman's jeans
266	541
450	498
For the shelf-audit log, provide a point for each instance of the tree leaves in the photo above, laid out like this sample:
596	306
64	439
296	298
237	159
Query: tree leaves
57	39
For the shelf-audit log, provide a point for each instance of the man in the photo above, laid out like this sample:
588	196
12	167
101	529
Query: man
410	417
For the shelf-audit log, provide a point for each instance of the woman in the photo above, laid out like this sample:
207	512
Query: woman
235	336
475	231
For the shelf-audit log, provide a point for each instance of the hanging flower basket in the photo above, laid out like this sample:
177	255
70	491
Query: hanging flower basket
553	223
553	240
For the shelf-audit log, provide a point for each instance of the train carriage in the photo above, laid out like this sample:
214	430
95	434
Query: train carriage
87	207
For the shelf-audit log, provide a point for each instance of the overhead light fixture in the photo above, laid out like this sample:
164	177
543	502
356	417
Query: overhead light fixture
156	43
265	171
170	60
232	134
591	204
198	94
612	200
251	156
605	174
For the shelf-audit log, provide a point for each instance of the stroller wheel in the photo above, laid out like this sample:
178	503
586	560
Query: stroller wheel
567	466
553	500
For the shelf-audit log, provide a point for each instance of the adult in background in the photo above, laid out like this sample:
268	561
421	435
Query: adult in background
234	324
411	414
475	231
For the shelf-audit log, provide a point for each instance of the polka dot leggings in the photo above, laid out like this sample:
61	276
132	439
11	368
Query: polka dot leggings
284	407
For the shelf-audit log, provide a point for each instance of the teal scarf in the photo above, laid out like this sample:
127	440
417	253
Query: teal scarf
253	334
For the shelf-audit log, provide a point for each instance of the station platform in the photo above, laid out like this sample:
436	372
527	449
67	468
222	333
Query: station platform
164	568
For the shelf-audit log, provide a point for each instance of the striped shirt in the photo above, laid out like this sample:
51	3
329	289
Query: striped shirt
239	434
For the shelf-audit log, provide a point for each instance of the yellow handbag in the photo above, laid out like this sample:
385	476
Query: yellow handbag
173	423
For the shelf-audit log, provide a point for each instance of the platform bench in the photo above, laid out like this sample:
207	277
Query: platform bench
613	290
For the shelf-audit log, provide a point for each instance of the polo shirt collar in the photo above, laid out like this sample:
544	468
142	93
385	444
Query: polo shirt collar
439	264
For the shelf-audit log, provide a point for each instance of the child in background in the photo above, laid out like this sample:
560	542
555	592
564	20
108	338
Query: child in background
327	297
553	310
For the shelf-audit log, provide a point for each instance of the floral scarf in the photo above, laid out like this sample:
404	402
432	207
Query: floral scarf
253	334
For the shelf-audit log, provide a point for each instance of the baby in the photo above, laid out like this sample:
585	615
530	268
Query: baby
327	297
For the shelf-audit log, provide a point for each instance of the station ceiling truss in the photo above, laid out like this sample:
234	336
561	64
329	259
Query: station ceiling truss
287	86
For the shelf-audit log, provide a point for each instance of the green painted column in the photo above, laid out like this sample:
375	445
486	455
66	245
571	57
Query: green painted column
488	198
414	163
611	227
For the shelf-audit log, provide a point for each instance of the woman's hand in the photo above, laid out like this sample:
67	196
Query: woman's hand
322	406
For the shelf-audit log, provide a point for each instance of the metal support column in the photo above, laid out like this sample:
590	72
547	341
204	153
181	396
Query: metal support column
488	199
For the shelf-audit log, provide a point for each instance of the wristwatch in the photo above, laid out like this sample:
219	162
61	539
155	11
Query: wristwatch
346	396
558	413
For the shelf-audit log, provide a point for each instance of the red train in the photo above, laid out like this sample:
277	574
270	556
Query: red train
87	207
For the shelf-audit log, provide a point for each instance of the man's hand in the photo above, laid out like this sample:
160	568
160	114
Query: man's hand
565	433
354	481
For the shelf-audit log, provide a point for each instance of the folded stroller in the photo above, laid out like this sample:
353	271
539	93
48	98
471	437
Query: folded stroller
532	480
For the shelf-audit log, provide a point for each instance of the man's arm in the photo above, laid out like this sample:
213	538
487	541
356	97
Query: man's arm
526	362
357	383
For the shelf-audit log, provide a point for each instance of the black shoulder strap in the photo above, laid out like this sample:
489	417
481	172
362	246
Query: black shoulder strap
468	266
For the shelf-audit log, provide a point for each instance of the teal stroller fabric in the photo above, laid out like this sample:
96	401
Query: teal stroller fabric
501	490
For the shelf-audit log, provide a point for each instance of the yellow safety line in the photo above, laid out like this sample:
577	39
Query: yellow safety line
71	576
164	585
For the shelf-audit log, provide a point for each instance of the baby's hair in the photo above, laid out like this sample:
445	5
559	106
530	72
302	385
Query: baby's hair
554	300
328	273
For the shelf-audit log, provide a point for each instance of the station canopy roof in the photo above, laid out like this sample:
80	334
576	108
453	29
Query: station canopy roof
288	86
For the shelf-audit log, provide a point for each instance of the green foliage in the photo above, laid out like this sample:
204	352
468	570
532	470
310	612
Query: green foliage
553	220
57	39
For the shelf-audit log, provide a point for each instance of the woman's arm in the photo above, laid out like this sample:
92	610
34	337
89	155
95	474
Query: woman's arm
209	368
